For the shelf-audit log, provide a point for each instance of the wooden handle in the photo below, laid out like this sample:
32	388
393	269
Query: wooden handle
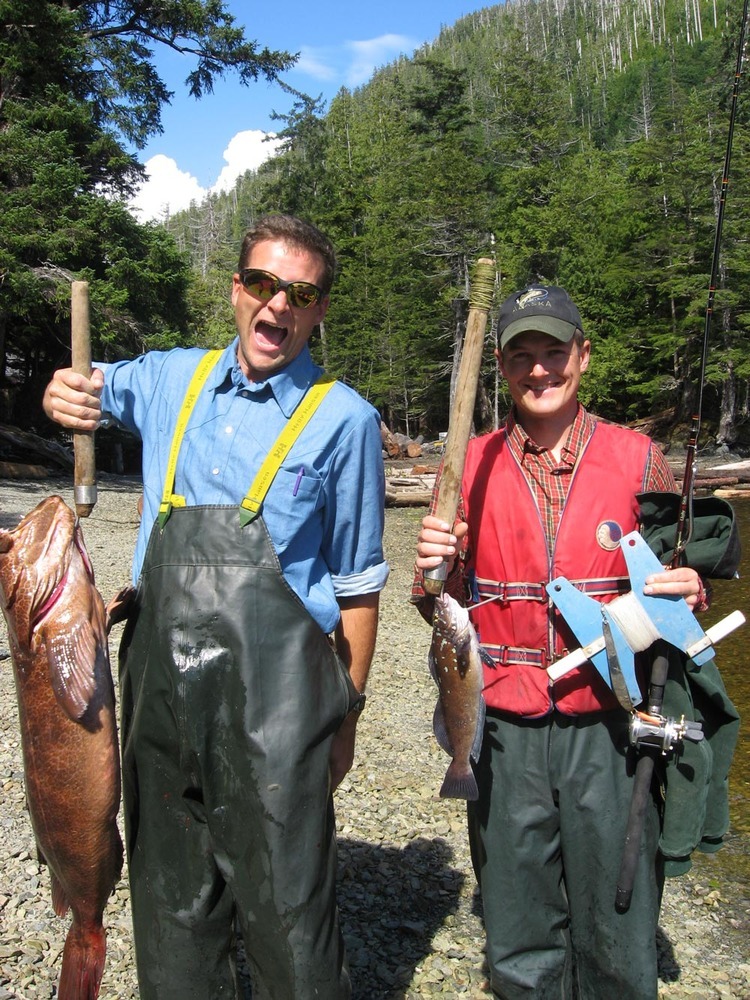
480	300
84	488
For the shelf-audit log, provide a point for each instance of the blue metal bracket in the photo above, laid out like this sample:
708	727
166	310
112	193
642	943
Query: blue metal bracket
668	614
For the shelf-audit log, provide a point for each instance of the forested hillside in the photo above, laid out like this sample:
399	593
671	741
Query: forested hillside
577	142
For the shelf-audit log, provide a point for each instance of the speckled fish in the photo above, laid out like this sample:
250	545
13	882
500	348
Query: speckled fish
66	706
456	661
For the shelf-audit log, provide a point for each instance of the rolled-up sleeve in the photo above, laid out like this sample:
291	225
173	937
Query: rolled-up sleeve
355	512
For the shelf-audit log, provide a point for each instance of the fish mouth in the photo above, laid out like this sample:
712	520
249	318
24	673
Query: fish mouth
450	619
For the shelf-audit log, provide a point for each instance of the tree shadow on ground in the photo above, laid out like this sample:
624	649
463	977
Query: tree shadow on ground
392	901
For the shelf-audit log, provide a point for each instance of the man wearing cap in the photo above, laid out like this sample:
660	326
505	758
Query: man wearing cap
551	494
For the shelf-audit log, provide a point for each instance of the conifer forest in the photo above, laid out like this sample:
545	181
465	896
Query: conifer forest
577	142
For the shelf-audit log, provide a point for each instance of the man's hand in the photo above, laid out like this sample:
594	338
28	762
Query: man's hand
73	401
355	644
682	581
342	749
437	541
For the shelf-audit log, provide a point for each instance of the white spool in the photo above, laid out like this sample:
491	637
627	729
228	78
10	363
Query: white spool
630	616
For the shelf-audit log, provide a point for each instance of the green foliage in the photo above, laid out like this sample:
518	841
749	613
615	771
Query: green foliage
120	37
76	79
578	143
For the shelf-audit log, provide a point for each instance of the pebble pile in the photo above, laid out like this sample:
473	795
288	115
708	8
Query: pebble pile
410	912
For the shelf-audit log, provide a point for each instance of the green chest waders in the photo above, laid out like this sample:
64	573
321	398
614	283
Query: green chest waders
231	694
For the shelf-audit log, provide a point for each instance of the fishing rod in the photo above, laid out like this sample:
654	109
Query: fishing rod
685	513
660	665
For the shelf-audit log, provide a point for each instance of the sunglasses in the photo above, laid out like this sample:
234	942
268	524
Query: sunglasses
264	286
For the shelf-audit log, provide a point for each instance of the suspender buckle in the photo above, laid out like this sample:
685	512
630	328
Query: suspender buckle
249	510
165	509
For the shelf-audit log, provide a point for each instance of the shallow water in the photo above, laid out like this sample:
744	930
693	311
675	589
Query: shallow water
733	659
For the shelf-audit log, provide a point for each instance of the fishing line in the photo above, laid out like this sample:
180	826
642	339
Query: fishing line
487	600
684	528
660	664
720	214
631	618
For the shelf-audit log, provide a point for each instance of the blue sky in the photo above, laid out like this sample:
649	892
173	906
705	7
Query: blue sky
207	144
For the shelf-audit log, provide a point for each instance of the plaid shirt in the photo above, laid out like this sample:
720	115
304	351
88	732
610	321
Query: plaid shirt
549	482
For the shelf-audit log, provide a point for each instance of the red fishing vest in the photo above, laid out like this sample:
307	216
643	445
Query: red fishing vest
510	560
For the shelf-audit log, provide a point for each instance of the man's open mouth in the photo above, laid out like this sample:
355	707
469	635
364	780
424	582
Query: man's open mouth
270	334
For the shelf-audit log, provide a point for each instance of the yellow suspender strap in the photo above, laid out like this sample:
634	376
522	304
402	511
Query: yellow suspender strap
170	499
250	506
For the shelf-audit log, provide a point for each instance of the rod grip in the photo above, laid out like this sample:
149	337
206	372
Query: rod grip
84	476
644	771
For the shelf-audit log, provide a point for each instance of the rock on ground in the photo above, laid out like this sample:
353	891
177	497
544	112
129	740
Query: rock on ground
409	908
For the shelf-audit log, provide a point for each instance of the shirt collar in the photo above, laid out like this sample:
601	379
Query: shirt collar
581	430
287	386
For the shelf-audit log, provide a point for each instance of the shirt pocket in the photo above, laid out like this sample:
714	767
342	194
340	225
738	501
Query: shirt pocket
291	508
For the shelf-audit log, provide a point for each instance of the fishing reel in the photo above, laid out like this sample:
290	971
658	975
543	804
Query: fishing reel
661	733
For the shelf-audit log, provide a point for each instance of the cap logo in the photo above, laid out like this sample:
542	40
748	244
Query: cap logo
532	297
608	535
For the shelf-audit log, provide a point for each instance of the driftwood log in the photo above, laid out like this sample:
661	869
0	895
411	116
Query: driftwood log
414	488
19	447
399	446
409	491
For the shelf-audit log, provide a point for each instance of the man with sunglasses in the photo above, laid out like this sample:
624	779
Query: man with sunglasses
260	539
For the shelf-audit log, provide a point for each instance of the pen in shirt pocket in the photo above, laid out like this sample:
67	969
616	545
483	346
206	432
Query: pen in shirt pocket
298	480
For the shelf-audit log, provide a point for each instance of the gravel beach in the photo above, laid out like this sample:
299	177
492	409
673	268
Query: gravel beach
411	916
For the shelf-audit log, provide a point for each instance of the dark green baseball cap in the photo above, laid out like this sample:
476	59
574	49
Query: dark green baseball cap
539	308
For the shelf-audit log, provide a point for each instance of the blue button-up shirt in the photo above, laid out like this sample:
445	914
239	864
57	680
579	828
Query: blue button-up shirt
324	510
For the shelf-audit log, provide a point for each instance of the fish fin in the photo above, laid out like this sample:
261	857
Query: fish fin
72	656
459	783
486	659
60	902
440	729
83	963
476	747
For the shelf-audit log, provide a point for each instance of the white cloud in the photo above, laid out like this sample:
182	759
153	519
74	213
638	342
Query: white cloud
315	63
353	62
246	151
168	189
373	53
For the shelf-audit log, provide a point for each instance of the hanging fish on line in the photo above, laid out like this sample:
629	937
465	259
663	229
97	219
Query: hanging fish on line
456	663
66	706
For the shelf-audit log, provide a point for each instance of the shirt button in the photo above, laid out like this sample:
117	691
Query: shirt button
228	430
214	472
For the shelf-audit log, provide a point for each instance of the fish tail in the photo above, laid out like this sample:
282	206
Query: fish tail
83	963
459	783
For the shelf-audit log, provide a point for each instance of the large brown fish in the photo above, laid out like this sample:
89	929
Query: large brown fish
456	660
66	707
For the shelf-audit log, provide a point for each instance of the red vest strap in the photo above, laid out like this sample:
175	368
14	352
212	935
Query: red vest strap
504	591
